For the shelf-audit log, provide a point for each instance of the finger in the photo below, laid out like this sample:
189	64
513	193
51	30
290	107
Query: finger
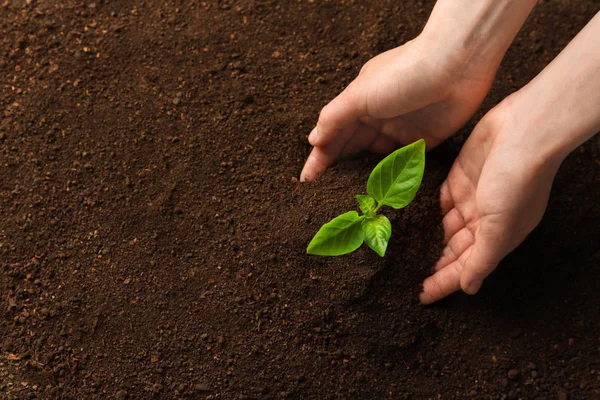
342	111
360	141
452	223
459	243
439	285
322	157
317	162
482	260
446	201
383	145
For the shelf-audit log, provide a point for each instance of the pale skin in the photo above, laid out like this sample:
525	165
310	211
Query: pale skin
497	190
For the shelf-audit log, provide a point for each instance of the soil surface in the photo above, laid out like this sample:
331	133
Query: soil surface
153	231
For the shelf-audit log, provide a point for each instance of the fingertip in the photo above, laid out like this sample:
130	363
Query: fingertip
446	203
472	287
425	298
441	284
430	292
315	164
313	137
308	172
444	260
473	275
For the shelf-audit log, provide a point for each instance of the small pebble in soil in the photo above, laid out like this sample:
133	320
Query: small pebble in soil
7	345
514	374
238	66
201	387
122	395
534	374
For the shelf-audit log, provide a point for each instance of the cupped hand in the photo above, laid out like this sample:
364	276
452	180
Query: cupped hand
495	194
402	95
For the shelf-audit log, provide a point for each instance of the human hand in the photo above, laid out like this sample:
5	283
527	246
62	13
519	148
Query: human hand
427	88
498	187
400	96
495	194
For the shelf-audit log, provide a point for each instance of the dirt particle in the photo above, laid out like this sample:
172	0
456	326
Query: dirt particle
514	374
238	66
562	395
122	395
202	387
7	345
12	304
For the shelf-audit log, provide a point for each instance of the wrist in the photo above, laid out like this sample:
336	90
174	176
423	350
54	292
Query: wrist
473	36
530	131
560	105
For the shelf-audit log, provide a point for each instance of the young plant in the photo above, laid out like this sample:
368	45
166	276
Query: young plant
394	182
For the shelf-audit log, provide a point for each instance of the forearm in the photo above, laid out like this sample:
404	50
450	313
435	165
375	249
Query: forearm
562	104
476	33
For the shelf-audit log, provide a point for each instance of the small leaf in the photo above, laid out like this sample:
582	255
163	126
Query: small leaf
377	231
395	180
367	204
339	236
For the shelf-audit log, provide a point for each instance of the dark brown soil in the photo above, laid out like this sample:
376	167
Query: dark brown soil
153	231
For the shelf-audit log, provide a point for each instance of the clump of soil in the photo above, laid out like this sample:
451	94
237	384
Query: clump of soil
153	234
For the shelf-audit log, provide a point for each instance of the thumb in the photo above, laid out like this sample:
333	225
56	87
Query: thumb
484	257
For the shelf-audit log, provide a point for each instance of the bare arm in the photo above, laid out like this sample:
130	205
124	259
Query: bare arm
563	101
477	32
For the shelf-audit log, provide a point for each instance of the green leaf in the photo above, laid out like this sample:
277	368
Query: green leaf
377	231
367	204
339	236
395	180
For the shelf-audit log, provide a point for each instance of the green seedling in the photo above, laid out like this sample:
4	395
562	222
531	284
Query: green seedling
394	182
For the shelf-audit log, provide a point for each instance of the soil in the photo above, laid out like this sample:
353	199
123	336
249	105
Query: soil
153	231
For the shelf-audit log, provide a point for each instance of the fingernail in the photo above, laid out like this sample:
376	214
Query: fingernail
313	135
474	286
